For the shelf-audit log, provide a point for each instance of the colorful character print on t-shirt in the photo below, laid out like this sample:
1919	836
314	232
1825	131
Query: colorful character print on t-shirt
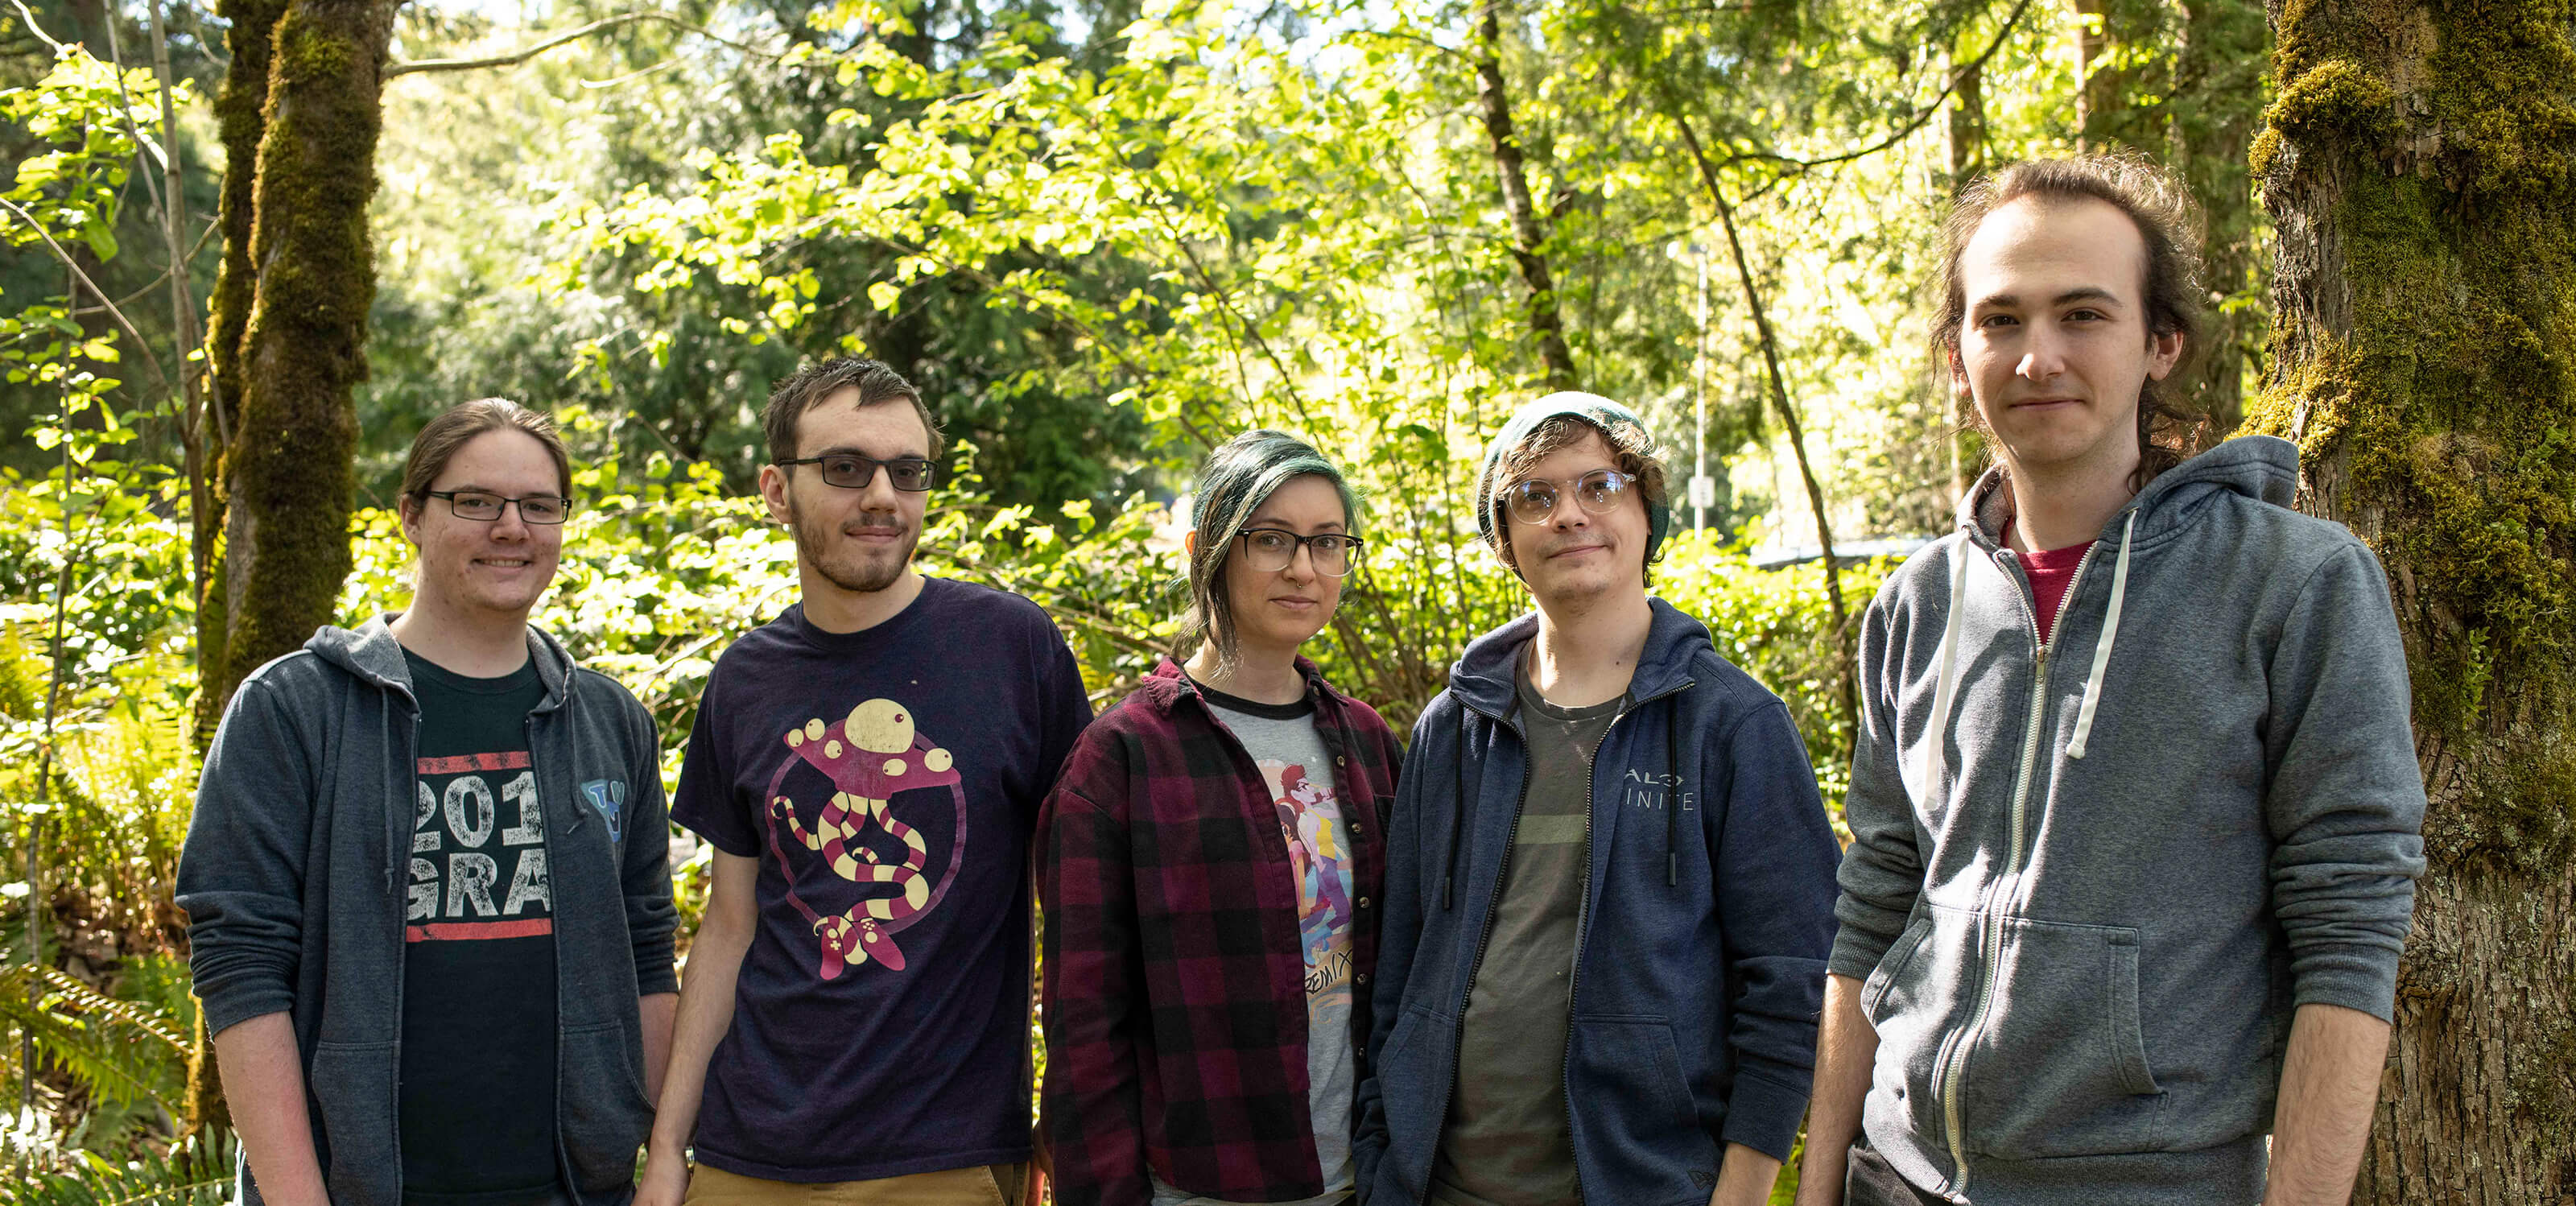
869	756
1310	817
478	856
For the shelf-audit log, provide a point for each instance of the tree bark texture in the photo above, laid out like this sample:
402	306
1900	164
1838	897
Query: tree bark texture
2420	166
1529	233
303	349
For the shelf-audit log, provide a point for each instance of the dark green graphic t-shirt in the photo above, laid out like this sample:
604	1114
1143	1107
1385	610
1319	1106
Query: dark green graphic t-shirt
478	1040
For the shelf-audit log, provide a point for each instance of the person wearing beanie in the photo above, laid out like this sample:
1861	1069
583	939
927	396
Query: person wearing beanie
1609	877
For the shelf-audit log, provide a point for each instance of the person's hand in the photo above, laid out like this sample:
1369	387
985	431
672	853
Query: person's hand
665	1180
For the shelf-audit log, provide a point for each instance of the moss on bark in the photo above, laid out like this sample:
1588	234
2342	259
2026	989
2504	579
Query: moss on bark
2433	353
303	349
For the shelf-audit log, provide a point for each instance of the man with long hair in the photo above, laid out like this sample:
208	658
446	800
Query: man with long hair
2134	804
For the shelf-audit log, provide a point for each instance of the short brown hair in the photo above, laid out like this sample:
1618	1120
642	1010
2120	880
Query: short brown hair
2168	223
1632	452
876	383
440	438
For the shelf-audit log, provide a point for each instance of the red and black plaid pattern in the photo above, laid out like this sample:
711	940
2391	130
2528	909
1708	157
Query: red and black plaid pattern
1174	983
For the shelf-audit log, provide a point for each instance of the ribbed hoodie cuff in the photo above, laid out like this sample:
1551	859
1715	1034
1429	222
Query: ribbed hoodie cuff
1763	1115
1857	952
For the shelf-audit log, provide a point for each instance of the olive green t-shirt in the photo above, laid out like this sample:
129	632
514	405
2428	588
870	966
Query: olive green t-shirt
1506	1141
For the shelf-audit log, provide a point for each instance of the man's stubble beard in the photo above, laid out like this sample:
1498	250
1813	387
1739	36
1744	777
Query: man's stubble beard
862	575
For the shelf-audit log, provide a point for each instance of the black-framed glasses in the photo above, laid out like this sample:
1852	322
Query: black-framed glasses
542	509
1269	550
1533	500
850	471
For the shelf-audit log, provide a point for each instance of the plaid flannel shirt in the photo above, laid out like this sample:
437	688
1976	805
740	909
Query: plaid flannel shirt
1174	982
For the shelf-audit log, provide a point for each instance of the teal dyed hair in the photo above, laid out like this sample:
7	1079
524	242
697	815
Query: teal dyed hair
1233	483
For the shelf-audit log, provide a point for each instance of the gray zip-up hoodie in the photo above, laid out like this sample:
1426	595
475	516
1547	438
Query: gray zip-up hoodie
294	878
2090	881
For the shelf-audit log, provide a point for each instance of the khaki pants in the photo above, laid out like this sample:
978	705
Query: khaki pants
975	1185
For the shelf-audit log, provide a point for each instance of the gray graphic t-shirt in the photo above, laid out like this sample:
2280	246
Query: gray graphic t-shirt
1294	763
1507	1141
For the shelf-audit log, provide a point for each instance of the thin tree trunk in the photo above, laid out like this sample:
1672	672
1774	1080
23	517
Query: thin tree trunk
2098	90
240	115
2217	106
1843	664
1529	236
2422	356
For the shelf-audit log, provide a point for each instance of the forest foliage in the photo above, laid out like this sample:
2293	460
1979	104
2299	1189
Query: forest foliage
1102	235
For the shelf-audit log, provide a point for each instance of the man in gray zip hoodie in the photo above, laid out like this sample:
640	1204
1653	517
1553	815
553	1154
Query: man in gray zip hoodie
2134	805
427	879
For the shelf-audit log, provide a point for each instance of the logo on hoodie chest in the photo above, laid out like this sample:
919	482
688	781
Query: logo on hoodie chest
1655	792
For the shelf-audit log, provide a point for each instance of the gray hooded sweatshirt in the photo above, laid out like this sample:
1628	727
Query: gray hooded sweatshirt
2090	881
294	878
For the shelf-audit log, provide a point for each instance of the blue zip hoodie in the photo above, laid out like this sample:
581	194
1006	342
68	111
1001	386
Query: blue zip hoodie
2090	881
1699	966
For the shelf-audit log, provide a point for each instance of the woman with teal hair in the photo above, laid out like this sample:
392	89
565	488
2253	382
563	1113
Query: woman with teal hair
1206	869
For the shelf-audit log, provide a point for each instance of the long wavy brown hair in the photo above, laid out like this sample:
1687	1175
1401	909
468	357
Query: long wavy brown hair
2167	220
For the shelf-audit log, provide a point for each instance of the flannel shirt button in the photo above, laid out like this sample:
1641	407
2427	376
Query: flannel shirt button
1363	977
1338	760
1364	902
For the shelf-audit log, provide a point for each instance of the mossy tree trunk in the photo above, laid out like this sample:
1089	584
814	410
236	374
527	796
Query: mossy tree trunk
288	341
2420	166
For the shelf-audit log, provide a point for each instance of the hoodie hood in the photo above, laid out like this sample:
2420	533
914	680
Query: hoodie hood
1486	676
373	656
2261	468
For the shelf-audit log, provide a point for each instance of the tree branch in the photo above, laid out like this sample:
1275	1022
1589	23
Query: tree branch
1788	419
1921	116
140	343
516	57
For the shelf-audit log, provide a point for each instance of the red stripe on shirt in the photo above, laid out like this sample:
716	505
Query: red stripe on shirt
478	931
461	763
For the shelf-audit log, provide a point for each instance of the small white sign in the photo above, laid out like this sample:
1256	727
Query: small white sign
1703	490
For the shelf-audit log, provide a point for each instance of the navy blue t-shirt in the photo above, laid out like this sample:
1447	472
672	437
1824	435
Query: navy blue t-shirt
888	781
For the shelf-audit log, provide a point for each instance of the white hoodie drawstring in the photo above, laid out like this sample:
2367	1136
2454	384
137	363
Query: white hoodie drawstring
1946	679
2102	649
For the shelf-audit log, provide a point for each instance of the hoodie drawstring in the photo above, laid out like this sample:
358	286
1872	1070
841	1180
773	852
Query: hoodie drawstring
1947	678
2102	648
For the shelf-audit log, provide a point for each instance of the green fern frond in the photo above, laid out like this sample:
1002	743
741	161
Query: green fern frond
121	1050
192	1174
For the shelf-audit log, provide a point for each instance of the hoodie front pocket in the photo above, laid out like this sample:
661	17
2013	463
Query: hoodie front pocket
2060	1068
1891	967
1645	1142
601	1106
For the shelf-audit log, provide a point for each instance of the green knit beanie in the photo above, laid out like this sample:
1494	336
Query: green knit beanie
1594	409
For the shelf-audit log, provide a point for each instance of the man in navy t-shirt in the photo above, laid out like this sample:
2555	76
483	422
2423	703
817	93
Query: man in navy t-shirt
868	767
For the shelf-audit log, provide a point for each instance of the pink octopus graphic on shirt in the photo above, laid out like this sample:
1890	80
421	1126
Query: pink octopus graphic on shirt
869	756
1307	812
